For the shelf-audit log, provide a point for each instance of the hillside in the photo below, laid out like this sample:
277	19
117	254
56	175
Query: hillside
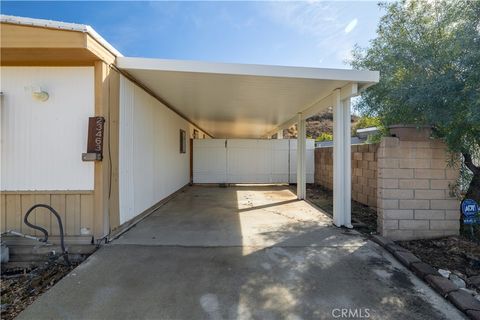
316	125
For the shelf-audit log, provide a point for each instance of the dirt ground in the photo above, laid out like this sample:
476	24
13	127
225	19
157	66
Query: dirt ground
20	286
456	254
364	218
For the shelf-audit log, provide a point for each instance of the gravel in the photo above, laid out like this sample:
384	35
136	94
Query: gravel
21	286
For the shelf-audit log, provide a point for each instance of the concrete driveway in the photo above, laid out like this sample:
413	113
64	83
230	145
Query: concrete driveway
240	253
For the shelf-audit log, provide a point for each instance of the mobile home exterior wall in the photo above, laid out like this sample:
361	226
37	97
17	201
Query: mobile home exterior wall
42	142
42	145
151	166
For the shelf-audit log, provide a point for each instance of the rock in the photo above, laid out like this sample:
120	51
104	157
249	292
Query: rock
477	297
444	273
474	281
473	314
423	269
407	258
461	275
473	293
441	284
392	248
457	280
464	301
381	240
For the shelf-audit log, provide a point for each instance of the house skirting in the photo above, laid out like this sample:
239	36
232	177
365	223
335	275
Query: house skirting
74	207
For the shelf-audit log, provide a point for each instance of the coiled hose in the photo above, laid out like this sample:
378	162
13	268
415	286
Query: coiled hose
45	232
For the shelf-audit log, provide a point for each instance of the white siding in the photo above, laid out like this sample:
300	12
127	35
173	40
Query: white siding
42	142
151	165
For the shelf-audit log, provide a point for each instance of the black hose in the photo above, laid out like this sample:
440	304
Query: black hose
45	232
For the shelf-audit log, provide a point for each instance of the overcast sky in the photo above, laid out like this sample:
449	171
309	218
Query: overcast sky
313	33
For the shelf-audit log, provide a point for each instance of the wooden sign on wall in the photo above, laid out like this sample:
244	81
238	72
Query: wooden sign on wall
95	139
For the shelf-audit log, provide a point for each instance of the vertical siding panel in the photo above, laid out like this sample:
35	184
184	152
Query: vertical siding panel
43	215
26	161
13	212
58	203
72	212
27	201
126	150
114	100
148	143
3	212
86	207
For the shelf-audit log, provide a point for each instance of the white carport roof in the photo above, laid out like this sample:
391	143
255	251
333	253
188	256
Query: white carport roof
243	100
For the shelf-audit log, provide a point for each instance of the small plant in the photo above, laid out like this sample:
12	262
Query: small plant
324	136
369	122
366	122
376	137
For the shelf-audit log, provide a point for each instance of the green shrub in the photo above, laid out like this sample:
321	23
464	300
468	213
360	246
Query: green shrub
366	122
325	136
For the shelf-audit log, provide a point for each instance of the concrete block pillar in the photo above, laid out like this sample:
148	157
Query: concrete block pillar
414	199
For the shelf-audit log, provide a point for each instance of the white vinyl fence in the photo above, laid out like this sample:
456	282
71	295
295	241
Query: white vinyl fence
248	161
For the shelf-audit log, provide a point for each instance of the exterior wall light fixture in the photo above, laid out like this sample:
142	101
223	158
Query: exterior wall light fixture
39	95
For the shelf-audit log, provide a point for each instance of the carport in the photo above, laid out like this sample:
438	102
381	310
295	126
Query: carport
239	101
199	252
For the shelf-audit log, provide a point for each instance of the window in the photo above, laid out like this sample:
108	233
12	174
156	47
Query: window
183	141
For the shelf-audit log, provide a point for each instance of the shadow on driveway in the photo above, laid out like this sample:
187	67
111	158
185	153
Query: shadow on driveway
239	253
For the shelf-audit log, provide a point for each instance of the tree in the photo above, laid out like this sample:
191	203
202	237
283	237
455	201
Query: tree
428	55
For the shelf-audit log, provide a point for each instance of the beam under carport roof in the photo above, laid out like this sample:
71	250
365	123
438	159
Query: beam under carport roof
240	100
346	92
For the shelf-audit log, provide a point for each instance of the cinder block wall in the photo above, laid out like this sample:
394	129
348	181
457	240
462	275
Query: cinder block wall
364	172
324	167
414	197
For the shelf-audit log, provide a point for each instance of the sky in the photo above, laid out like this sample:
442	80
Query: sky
311	33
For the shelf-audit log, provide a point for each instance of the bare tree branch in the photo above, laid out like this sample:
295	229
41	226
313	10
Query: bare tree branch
469	163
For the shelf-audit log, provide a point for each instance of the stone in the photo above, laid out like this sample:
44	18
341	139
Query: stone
441	284
457	280
471	292
381	240
407	258
463	300
444	273
473	314
422	269
392	248
474	281
477	297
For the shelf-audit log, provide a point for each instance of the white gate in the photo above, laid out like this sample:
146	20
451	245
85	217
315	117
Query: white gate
248	161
